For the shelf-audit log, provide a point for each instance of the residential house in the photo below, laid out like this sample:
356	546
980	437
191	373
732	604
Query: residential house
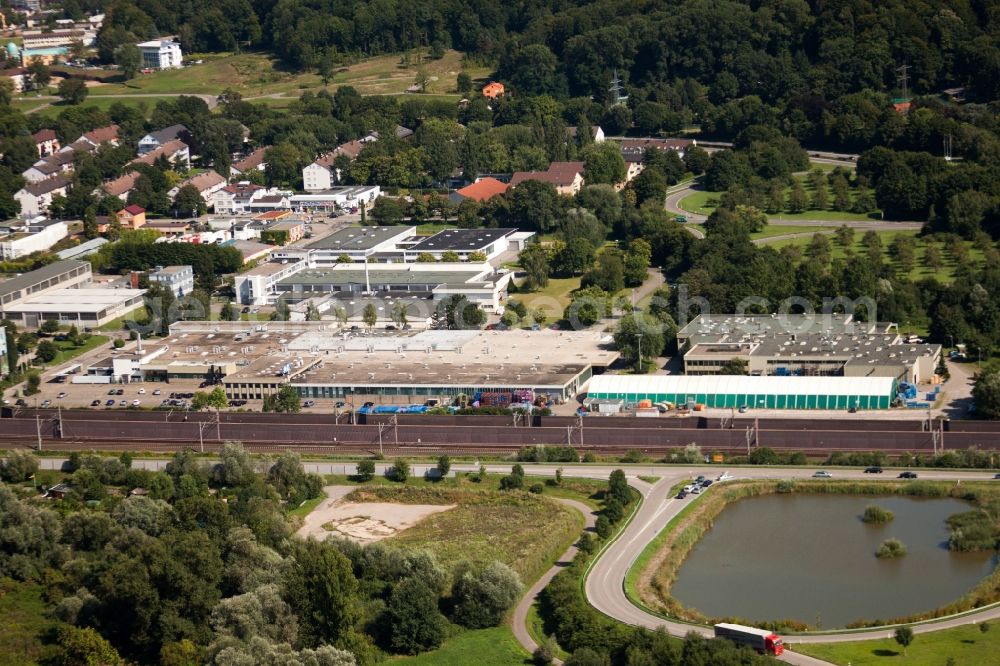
154	140
51	165
169	228
161	54
131	217
207	184
493	89
481	190
46	141
254	160
59	491
269	203
322	174
567	177
175	150
634	151
236	199
121	186
36	197
101	135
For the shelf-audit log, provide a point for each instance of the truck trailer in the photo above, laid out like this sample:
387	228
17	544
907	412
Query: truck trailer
761	640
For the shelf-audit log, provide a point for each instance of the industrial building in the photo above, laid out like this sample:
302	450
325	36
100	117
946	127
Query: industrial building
736	391
322	361
62	291
806	345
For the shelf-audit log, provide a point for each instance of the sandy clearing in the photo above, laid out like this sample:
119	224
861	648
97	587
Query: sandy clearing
363	522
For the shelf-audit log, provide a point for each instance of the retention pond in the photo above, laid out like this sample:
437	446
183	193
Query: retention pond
810	558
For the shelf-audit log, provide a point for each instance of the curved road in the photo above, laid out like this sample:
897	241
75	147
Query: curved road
605	585
519	618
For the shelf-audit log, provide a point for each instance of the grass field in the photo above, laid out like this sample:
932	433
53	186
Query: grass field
25	625
704	202
144	104
558	292
139	315
919	271
67	351
260	75
964	645
483	647
522	530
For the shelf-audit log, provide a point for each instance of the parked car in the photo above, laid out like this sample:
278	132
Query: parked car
706	483
111	392
120	392
996	476
874	469
142	391
95	403
20	402
309	403
110	403
136	403
156	392
340	404
822	474
46	403
681	495
123	403
907	475
62	394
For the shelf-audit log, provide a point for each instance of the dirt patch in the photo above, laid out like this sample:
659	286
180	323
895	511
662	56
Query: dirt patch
363	522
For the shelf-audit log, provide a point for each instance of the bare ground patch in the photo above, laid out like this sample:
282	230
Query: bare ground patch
362	522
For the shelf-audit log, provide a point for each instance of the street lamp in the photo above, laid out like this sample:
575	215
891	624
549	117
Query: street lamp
639	360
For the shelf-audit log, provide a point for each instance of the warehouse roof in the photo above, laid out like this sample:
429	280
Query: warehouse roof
741	384
461	240
359	238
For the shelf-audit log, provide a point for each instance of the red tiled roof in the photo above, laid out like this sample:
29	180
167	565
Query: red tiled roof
102	135
44	135
121	185
252	161
133	209
203	181
168	149
559	174
483	189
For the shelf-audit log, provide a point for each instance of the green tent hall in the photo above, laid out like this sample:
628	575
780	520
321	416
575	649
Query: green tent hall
761	392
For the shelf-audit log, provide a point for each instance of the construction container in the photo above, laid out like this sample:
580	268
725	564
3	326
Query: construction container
643	404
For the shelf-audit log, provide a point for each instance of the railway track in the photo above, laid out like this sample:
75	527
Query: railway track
322	433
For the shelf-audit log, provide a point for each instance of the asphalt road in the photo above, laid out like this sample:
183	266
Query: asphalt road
605	586
519	618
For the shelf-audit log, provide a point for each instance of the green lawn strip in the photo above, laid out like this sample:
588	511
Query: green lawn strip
536	627
966	645
26	104
303	509
558	290
68	352
138	315
483	647
104	103
27	625
430	228
704	202
918	272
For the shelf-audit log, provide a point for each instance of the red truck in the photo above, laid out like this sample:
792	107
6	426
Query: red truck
761	640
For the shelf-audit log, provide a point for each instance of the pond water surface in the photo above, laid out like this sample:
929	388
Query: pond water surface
810	558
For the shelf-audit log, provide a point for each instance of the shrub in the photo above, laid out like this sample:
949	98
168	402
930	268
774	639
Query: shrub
890	548
876	515
603	527
786	486
512	482
972	530
118	343
536	488
633	456
482	597
589	457
366	470
19	466
400	471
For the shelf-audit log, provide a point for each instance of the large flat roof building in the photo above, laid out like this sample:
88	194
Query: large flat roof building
809	345
83	307
60	274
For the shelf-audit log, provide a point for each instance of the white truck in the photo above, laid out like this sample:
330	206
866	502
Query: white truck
761	640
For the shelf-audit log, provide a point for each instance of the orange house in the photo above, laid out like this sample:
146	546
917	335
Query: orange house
131	217
493	89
